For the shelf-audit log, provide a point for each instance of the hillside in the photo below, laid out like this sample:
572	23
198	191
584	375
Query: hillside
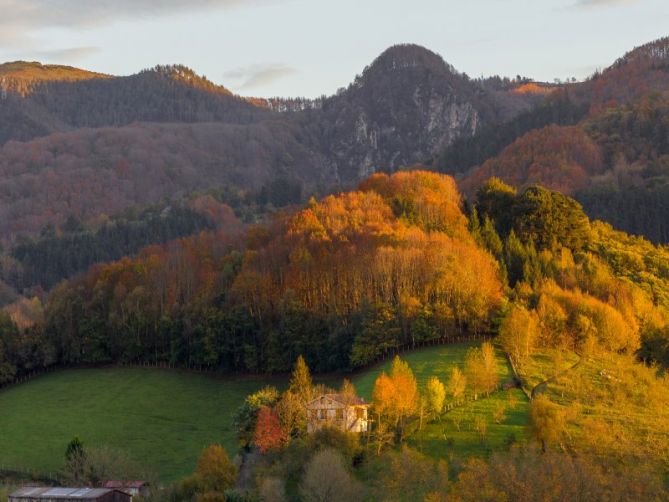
24	77
356	247
407	105
181	131
612	407
614	162
639	73
91	172
346	282
346	279
602	140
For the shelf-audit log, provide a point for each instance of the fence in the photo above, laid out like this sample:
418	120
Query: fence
199	368
31	375
401	349
16	473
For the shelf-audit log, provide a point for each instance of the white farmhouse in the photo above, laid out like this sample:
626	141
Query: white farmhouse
347	413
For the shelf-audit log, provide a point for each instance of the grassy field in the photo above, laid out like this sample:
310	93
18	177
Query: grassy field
455	433
613	407
164	418
546	364
426	362
459	434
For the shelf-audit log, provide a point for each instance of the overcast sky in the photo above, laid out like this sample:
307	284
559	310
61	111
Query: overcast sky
312	47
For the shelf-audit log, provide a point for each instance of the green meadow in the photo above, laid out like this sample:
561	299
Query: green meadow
163	418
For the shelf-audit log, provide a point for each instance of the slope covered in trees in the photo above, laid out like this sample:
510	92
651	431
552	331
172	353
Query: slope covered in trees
636	76
614	162
59	99
341	281
94	172
169	125
61	252
562	158
587	286
467	152
25	77
347	279
602	140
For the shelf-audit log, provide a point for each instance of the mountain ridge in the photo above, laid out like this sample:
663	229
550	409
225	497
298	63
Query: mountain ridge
183	129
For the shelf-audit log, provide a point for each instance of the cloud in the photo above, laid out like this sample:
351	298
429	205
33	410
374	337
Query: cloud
603	3
259	75
20	19
68	55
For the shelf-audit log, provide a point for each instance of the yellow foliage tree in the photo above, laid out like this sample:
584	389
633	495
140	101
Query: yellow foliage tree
435	393
481	368
518	333
547	420
457	384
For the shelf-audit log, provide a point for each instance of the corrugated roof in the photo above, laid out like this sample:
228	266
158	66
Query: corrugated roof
47	492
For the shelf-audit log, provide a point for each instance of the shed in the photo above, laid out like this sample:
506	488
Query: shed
134	488
61	494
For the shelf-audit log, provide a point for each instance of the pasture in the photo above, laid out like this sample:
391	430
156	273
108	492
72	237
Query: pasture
163	418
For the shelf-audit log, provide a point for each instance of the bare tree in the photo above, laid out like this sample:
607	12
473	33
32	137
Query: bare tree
326	479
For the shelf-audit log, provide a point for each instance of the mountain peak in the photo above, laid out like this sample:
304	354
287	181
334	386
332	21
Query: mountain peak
184	74
405	56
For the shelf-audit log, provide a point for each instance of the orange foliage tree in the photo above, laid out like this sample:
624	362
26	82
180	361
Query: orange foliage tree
395	396
268	434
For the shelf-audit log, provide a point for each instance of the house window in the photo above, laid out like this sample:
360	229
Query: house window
340	414
359	413
322	414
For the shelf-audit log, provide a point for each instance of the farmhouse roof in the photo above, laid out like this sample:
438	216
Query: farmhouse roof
343	399
50	493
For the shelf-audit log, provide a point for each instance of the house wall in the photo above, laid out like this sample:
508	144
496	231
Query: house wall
335	414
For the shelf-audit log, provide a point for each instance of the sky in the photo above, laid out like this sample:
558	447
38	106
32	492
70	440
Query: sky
312	47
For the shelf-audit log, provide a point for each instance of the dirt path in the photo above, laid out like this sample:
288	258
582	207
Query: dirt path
541	386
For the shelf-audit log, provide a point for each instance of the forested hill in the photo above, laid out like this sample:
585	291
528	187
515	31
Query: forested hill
93	141
348	278
99	144
24	78
40	100
603	141
96	141
616	163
